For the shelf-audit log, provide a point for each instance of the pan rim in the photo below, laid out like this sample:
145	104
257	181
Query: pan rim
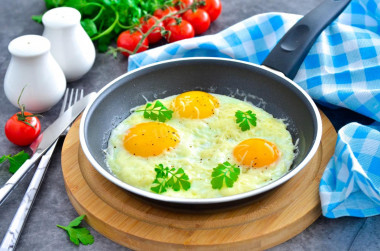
158	197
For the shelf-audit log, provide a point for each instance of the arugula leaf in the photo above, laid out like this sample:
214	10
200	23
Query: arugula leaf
78	234
224	173
244	119
170	178
15	161
157	112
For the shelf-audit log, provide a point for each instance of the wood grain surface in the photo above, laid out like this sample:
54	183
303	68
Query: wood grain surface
264	222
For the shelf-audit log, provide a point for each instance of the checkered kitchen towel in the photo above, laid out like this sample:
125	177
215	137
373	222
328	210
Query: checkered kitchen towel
342	69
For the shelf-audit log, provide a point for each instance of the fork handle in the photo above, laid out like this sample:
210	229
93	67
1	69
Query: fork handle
13	233
17	177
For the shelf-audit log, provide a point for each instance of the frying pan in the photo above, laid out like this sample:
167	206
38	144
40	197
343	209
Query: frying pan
268	86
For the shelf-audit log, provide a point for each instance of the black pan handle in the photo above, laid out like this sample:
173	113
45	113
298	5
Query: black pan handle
289	53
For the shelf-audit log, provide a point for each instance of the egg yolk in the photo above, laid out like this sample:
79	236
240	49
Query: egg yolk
256	152
150	139
195	105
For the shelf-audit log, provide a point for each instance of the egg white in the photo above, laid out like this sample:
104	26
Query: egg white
204	143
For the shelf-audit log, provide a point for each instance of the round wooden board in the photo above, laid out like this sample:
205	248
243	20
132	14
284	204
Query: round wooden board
263	223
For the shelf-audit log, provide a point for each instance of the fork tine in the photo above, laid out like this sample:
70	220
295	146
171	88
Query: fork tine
63	107
76	95
71	98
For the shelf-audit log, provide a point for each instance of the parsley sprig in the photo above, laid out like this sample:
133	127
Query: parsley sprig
224	173
244	119
15	161
170	177
78	234
157	111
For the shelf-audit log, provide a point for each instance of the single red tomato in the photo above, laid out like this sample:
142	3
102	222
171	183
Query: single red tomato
155	35
22	128
179	29
182	4
160	13
213	8
129	40
199	19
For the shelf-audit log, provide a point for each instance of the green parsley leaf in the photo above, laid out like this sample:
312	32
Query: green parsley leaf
244	119
77	4
78	234
89	26
160	181
37	18
224	173
170	178
157	112
178	180
15	161
53	3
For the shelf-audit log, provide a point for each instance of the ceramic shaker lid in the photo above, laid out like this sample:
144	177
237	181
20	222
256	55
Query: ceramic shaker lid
61	17
29	46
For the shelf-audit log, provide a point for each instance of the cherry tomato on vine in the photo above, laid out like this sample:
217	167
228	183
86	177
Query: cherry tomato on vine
182	4
200	20
22	128
213	8
179	29
155	35
129	40
159	13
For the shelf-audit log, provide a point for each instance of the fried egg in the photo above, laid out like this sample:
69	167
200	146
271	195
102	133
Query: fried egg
201	134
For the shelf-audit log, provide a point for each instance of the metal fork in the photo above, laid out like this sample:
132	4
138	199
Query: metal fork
11	237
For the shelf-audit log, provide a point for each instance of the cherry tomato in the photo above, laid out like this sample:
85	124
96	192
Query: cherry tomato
155	35
199	19
213	8
182	4
129	40
159	13
20	133
178	30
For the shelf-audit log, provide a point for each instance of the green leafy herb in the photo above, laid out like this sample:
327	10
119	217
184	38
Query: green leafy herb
107	18
157	112
78	234
37	18
244	119
15	161
170	177
224	173
89	26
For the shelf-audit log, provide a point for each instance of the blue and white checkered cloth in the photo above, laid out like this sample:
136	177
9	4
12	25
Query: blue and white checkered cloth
342	69
351	182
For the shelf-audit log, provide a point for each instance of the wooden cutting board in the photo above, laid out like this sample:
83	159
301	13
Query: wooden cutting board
263	223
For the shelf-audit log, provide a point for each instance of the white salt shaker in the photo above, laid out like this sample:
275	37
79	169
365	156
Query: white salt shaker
33	67
70	44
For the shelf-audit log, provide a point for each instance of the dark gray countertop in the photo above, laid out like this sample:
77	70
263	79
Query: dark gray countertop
53	207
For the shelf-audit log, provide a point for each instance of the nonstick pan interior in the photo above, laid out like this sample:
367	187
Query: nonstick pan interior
262	87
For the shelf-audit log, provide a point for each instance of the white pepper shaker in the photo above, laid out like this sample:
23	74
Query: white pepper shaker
33	67
70	44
